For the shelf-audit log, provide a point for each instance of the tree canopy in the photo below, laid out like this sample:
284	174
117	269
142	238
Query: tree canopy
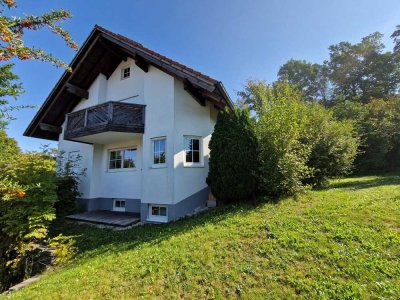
361	83
363	71
310	78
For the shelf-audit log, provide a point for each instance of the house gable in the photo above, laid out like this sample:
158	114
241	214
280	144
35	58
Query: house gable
102	53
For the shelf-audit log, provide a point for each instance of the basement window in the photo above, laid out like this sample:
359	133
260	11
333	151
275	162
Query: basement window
126	72
158	213
119	205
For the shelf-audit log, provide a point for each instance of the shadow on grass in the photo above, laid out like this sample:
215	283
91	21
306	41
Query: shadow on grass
365	183
91	240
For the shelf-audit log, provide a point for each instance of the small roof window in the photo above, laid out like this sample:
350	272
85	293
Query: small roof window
126	72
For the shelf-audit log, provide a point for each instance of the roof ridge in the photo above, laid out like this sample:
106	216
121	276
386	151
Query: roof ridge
139	45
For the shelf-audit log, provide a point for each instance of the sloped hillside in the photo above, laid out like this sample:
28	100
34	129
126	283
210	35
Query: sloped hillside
342	242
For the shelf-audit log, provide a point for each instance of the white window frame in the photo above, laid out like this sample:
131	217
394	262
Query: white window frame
123	68
120	208
159	165
122	169
157	218
199	164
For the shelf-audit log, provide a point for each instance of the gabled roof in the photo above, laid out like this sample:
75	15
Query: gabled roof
102	52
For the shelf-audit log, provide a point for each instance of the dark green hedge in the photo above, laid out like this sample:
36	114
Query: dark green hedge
233	157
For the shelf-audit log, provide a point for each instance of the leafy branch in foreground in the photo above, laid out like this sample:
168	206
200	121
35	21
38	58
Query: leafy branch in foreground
10	87
12	30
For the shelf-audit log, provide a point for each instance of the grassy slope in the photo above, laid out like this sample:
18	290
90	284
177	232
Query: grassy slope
342	242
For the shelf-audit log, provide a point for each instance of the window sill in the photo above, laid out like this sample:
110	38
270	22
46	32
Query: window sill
200	165
158	220
160	166
122	170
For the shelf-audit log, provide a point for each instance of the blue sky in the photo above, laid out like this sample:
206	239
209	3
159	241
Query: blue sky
229	40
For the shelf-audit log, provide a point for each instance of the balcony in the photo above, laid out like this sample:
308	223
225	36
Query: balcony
94	124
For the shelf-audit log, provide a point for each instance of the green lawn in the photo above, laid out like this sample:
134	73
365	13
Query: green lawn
336	243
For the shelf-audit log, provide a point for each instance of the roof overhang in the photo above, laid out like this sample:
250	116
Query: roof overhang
102	52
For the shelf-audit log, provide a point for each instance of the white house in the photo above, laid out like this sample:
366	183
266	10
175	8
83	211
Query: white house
141	123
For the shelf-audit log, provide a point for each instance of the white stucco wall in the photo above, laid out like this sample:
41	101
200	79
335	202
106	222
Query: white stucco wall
170	112
86	153
119	183
157	183
133	86
191	119
99	182
97	91
115	89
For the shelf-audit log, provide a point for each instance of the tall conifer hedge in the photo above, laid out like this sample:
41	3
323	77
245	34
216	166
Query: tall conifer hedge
233	157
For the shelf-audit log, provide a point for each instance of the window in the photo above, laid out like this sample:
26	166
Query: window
159	146
192	150
125	72
122	159
158	213
129	158
119	205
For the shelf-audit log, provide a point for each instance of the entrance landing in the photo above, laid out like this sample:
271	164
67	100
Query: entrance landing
105	217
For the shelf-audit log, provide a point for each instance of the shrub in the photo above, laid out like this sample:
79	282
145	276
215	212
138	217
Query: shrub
28	195
335	145
301	144
233	157
64	249
378	124
69	174
281	126
380	129
30	192
8	148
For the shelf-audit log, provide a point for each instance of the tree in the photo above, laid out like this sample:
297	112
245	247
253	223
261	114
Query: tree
12	30
28	195
360	71
334	143
8	149
281	126
380	129
300	143
363	70
233	157
310	78
378	125
27	181
396	39
10	88
252	95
